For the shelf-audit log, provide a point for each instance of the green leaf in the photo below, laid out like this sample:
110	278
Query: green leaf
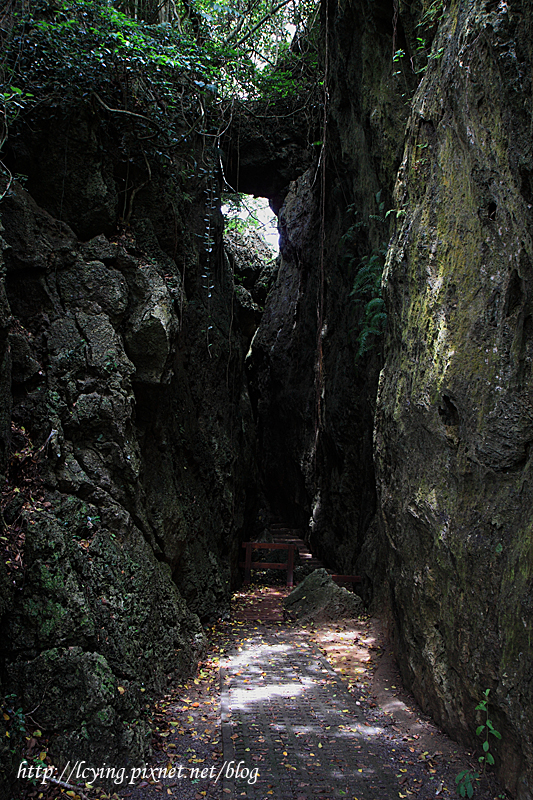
490	759
486	746
479	730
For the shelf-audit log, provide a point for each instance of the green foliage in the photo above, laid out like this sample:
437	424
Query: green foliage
238	213
259	29
66	52
163	77
420	51
12	102
164	72
80	48
366	289
256	229
465	779
485	730
14	720
465	782
432	14
237	224
372	325
244	214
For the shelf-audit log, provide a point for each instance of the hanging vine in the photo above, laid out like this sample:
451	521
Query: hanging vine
319	371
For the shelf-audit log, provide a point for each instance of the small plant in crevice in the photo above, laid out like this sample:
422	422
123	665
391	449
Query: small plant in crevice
14	714
433	14
420	50
367	290
465	780
485	730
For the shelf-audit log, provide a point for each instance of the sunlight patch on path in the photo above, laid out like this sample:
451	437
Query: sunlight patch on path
286	714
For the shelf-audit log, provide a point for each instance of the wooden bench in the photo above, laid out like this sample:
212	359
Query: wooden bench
249	565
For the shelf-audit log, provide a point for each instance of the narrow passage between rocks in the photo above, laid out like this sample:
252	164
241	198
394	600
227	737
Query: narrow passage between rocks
268	716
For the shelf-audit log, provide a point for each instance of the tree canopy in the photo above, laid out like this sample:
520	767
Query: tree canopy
132	54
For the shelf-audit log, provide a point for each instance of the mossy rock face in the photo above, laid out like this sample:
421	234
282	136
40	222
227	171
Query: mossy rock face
254	272
130	466
455	409
93	582
98	628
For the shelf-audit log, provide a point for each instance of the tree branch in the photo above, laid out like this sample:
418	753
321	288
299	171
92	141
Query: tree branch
252	4
66	785
256	27
128	113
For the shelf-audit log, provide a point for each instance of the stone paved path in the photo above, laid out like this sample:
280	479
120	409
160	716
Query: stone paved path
287	715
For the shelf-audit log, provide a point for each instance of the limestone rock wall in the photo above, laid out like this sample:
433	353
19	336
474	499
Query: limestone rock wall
455	410
126	438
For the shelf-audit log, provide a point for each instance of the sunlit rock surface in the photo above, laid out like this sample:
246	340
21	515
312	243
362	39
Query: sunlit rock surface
455	409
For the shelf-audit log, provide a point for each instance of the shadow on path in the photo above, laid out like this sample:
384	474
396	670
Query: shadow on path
293	729
267	717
